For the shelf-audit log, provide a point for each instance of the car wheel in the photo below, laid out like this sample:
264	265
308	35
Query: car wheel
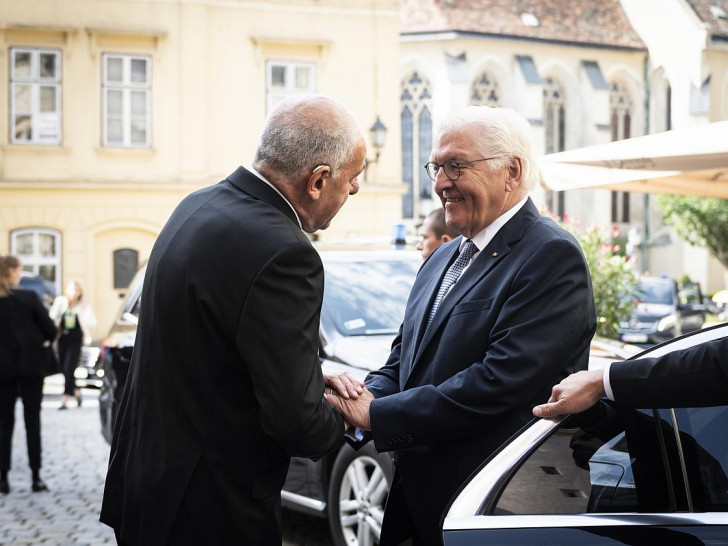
358	489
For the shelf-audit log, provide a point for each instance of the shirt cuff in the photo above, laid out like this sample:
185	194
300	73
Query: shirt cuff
607	384
355	434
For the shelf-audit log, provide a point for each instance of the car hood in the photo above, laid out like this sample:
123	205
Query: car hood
365	352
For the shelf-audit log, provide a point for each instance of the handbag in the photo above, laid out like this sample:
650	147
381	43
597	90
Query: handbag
52	364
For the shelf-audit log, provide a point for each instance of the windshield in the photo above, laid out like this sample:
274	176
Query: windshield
367	297
656	293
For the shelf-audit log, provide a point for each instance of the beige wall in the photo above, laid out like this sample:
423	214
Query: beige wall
208	63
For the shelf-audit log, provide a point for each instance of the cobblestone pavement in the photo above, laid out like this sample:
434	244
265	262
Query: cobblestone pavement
75	457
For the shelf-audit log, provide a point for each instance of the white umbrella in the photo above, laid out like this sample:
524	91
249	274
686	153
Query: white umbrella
691	161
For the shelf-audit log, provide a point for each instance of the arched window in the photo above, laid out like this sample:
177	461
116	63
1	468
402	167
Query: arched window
484	91
416	120
620	108
554	109
40	251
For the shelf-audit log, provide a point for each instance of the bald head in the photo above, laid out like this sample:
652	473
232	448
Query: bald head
304	132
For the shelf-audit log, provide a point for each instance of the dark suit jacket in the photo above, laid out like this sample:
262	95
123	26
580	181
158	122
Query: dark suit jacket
518	320
225	382
24	327
692	377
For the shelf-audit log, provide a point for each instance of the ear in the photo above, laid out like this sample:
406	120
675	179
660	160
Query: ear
317	181
515	174
445	238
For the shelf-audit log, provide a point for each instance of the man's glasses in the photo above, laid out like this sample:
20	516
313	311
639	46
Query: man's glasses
451	167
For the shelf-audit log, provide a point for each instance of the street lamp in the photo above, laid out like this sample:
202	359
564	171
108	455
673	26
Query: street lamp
377	135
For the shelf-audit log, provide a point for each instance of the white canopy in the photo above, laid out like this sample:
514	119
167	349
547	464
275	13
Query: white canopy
691	161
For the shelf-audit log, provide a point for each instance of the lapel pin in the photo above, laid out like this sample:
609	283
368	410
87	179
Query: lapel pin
494	254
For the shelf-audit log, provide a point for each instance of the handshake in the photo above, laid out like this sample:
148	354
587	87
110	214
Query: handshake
349	397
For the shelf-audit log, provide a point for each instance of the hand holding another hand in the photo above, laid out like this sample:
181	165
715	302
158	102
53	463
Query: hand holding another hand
354	410
344	385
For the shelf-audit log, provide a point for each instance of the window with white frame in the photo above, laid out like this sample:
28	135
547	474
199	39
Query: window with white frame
35	96
284	79
127	100
484	91
40	251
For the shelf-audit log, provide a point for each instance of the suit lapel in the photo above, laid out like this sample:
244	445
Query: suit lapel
248	183
498	248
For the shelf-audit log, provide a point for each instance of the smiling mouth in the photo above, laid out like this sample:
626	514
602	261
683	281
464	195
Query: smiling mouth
453	199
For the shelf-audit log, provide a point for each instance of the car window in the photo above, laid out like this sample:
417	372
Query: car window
605	460
367	297
651	292
704	442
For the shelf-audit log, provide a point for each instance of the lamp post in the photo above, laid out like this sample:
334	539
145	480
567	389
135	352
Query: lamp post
377	135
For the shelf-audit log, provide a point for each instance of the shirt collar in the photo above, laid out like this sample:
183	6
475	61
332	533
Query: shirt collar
264	179
482	238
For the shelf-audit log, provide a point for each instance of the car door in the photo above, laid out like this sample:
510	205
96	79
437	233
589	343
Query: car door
605	477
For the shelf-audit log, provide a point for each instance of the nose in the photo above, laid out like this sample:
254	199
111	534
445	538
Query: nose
354	187
419	244
442	182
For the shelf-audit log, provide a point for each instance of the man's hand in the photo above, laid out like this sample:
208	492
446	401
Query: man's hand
354	411
574	394
343	385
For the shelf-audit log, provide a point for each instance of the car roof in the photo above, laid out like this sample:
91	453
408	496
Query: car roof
369	255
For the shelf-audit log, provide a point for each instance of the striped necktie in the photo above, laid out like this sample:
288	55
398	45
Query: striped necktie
452	275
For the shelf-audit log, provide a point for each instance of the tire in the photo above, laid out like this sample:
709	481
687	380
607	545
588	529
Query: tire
358	489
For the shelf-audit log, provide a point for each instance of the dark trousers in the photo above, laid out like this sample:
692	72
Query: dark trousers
30	389
69	351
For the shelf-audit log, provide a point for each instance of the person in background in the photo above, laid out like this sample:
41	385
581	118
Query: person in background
26	333
225	382
75	319
495	318
692	377
434	232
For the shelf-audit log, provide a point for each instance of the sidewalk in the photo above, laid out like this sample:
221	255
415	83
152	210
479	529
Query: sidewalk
75	456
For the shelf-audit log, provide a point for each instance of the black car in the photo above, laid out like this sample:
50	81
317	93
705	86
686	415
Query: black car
45	289
608	476
365	295
662	312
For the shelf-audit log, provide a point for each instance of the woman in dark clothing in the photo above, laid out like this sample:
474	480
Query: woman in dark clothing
75	319
26	333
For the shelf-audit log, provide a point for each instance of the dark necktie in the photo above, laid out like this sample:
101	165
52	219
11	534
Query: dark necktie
452	275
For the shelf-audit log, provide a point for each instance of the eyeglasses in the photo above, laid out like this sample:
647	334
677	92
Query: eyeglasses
451	167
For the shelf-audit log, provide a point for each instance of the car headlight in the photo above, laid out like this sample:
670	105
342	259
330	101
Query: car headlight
666	323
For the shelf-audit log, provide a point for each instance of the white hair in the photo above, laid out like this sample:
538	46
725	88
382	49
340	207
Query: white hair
305	131
503	134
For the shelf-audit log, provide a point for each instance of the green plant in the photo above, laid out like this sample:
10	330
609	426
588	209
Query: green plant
614	278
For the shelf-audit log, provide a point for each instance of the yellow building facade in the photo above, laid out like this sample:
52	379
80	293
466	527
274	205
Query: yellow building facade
114	110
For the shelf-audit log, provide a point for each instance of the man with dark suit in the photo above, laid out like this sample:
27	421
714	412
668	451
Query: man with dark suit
225	383
469	363
692	377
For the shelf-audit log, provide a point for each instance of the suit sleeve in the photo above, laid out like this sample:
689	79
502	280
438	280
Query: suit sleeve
693	377
278	338
540	332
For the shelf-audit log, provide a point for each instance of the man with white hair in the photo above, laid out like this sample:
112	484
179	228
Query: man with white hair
225	383
496	317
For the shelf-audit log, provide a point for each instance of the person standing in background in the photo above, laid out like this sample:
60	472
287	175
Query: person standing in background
26	333
434	232
75	319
